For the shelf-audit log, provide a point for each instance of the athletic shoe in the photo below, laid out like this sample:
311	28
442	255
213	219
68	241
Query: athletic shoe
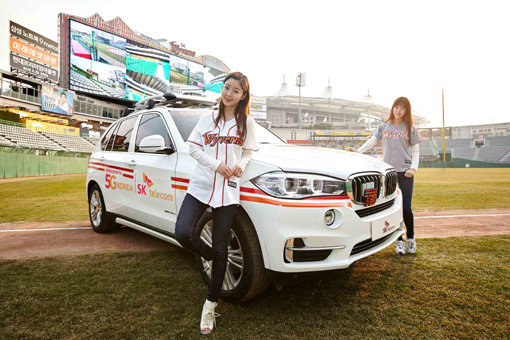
411	246
208	320
400	247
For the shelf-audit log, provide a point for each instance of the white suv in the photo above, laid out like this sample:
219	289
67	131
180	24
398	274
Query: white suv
303	209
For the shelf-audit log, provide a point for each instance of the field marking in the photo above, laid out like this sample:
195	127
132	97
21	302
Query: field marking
450	216
43	229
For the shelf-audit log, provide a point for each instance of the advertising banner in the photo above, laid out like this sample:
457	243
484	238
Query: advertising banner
31	67
22	48
35	125
32	37
57	100
258	107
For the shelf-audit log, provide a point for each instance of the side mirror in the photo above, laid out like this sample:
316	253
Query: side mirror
153	144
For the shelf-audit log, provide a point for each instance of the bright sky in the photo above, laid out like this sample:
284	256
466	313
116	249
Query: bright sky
394	48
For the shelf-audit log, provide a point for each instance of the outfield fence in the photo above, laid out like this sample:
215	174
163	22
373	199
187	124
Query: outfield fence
28	162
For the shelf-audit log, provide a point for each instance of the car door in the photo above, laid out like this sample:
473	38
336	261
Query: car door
118	186
155	196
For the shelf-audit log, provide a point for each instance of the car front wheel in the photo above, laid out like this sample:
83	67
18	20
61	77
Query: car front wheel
100	219
245	276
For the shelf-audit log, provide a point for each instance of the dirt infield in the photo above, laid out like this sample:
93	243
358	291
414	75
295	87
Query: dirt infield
29	240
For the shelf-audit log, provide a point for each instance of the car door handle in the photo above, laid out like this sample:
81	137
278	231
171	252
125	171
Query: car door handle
131	163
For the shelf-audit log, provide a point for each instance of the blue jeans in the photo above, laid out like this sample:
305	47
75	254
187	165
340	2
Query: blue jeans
406	185
191	211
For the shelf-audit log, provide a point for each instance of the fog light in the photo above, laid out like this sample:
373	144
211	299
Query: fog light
289	253
329	217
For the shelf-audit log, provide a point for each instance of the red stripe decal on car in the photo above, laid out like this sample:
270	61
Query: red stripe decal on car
113	167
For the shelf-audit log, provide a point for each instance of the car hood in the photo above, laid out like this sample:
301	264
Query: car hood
332	162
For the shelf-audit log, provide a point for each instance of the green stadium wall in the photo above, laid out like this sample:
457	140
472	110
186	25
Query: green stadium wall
26	162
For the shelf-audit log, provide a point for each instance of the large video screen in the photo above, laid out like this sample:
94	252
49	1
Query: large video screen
98	61
108	65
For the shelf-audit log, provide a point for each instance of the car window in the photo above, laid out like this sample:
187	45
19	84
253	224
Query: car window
186	121
151	124
123	135
106	137
110	142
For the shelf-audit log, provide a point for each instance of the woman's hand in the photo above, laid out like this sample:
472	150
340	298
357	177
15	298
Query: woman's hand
225	170
410	172
238	172
351	149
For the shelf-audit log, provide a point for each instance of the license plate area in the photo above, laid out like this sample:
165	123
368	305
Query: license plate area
384	226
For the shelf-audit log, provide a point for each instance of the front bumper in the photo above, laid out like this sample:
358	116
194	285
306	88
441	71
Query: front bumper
317	247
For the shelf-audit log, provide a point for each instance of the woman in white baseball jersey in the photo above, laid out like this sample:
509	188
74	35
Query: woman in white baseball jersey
222	143
400	141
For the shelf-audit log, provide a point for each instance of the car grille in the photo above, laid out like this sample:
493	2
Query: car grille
390	182
357	186
374	209
368	244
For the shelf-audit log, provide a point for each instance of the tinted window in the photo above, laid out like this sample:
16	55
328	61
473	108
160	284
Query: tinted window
123	135
186	121
107	141
151	124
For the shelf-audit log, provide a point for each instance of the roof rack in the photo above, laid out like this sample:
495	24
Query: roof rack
173	100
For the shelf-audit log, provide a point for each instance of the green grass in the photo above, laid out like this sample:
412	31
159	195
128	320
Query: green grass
448	189
49	199
63	198
453	288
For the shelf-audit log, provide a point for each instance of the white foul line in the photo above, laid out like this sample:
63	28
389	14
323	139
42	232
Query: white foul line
44	229
449	216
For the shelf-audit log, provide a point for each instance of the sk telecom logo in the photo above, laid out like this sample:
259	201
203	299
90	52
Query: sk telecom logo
147	181
388	227
141	187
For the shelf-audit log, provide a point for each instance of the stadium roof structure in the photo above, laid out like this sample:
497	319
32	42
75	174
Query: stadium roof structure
328	103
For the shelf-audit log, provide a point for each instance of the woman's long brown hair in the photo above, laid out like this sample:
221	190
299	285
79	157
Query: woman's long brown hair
408	117
242	110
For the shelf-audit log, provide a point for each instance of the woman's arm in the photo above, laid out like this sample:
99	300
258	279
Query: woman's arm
415	158
201	157
369	144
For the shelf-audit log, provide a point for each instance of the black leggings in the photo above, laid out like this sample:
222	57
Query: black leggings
406	185
189	214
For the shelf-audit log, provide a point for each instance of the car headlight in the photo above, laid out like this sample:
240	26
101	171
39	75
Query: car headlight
298	185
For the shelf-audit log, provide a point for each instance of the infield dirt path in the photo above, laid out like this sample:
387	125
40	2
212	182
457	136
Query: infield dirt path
28	240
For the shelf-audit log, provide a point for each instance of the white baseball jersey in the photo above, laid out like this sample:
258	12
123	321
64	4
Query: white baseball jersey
211	145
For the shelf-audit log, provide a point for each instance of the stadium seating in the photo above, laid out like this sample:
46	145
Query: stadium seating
492	153
22	137
5	142
465	152
15	136
69	142
498	140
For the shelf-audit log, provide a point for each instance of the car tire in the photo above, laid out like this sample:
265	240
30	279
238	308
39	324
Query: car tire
100	219
246	276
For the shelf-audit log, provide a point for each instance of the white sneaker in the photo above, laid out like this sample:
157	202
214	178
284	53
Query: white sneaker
208	320
411	246
400	248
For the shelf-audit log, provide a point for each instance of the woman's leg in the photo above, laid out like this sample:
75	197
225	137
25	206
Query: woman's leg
222	224
406	185
191	210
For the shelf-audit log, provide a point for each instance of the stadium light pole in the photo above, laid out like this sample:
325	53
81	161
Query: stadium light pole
300	82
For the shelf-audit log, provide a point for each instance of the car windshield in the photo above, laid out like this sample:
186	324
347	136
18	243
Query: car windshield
185	120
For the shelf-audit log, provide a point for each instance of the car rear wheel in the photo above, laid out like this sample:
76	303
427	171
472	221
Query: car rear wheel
100	219
245	276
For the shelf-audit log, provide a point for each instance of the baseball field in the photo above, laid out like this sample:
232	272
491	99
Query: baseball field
454	287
